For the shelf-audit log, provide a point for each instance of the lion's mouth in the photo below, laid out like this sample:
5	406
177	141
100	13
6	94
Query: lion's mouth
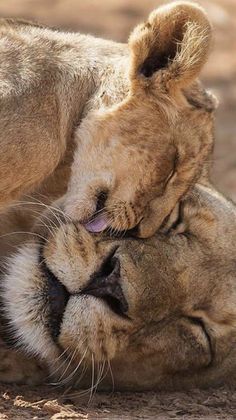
104	285
57	297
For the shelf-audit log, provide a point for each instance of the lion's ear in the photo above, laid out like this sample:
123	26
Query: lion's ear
170	49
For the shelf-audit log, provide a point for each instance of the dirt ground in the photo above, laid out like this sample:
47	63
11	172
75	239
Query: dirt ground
114	19
20	403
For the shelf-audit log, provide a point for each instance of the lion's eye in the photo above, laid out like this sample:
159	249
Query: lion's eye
170	175
201	324
174	222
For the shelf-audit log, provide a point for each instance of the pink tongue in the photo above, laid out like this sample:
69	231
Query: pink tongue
98	224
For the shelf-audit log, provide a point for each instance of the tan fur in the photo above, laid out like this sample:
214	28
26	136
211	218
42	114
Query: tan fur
143	142
18	368
140	140
179	329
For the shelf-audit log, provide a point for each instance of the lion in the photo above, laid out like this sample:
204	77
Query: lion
159	313
154	310
133	119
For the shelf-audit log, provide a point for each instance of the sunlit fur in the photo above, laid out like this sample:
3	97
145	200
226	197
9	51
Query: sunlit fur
174	283
133	117
145	151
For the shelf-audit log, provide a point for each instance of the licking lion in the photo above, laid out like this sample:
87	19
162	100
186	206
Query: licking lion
117	254
133	118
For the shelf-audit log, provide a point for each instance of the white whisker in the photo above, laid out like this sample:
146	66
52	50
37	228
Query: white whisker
24	233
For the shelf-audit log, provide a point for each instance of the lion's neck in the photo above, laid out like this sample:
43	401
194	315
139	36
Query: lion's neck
94	73
75	67
89	68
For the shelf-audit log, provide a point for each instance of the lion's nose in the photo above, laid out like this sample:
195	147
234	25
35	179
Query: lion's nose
106	285
101	200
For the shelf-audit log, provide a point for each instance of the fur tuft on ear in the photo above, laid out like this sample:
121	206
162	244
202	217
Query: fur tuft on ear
170	49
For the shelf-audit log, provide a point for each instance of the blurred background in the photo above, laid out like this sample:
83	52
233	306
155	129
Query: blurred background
114	19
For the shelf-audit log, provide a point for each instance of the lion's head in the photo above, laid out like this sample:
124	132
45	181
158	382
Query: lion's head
161	311
135	159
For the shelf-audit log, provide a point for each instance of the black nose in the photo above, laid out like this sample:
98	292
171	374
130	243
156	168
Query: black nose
106	285
101	200
57	297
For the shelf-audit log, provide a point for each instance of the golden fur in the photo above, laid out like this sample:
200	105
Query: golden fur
141	139
143	136
173	328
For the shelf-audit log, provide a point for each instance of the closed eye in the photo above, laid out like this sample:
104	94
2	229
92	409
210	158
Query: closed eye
201	324
170	175
175	222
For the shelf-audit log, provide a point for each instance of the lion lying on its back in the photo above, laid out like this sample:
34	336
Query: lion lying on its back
144	123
